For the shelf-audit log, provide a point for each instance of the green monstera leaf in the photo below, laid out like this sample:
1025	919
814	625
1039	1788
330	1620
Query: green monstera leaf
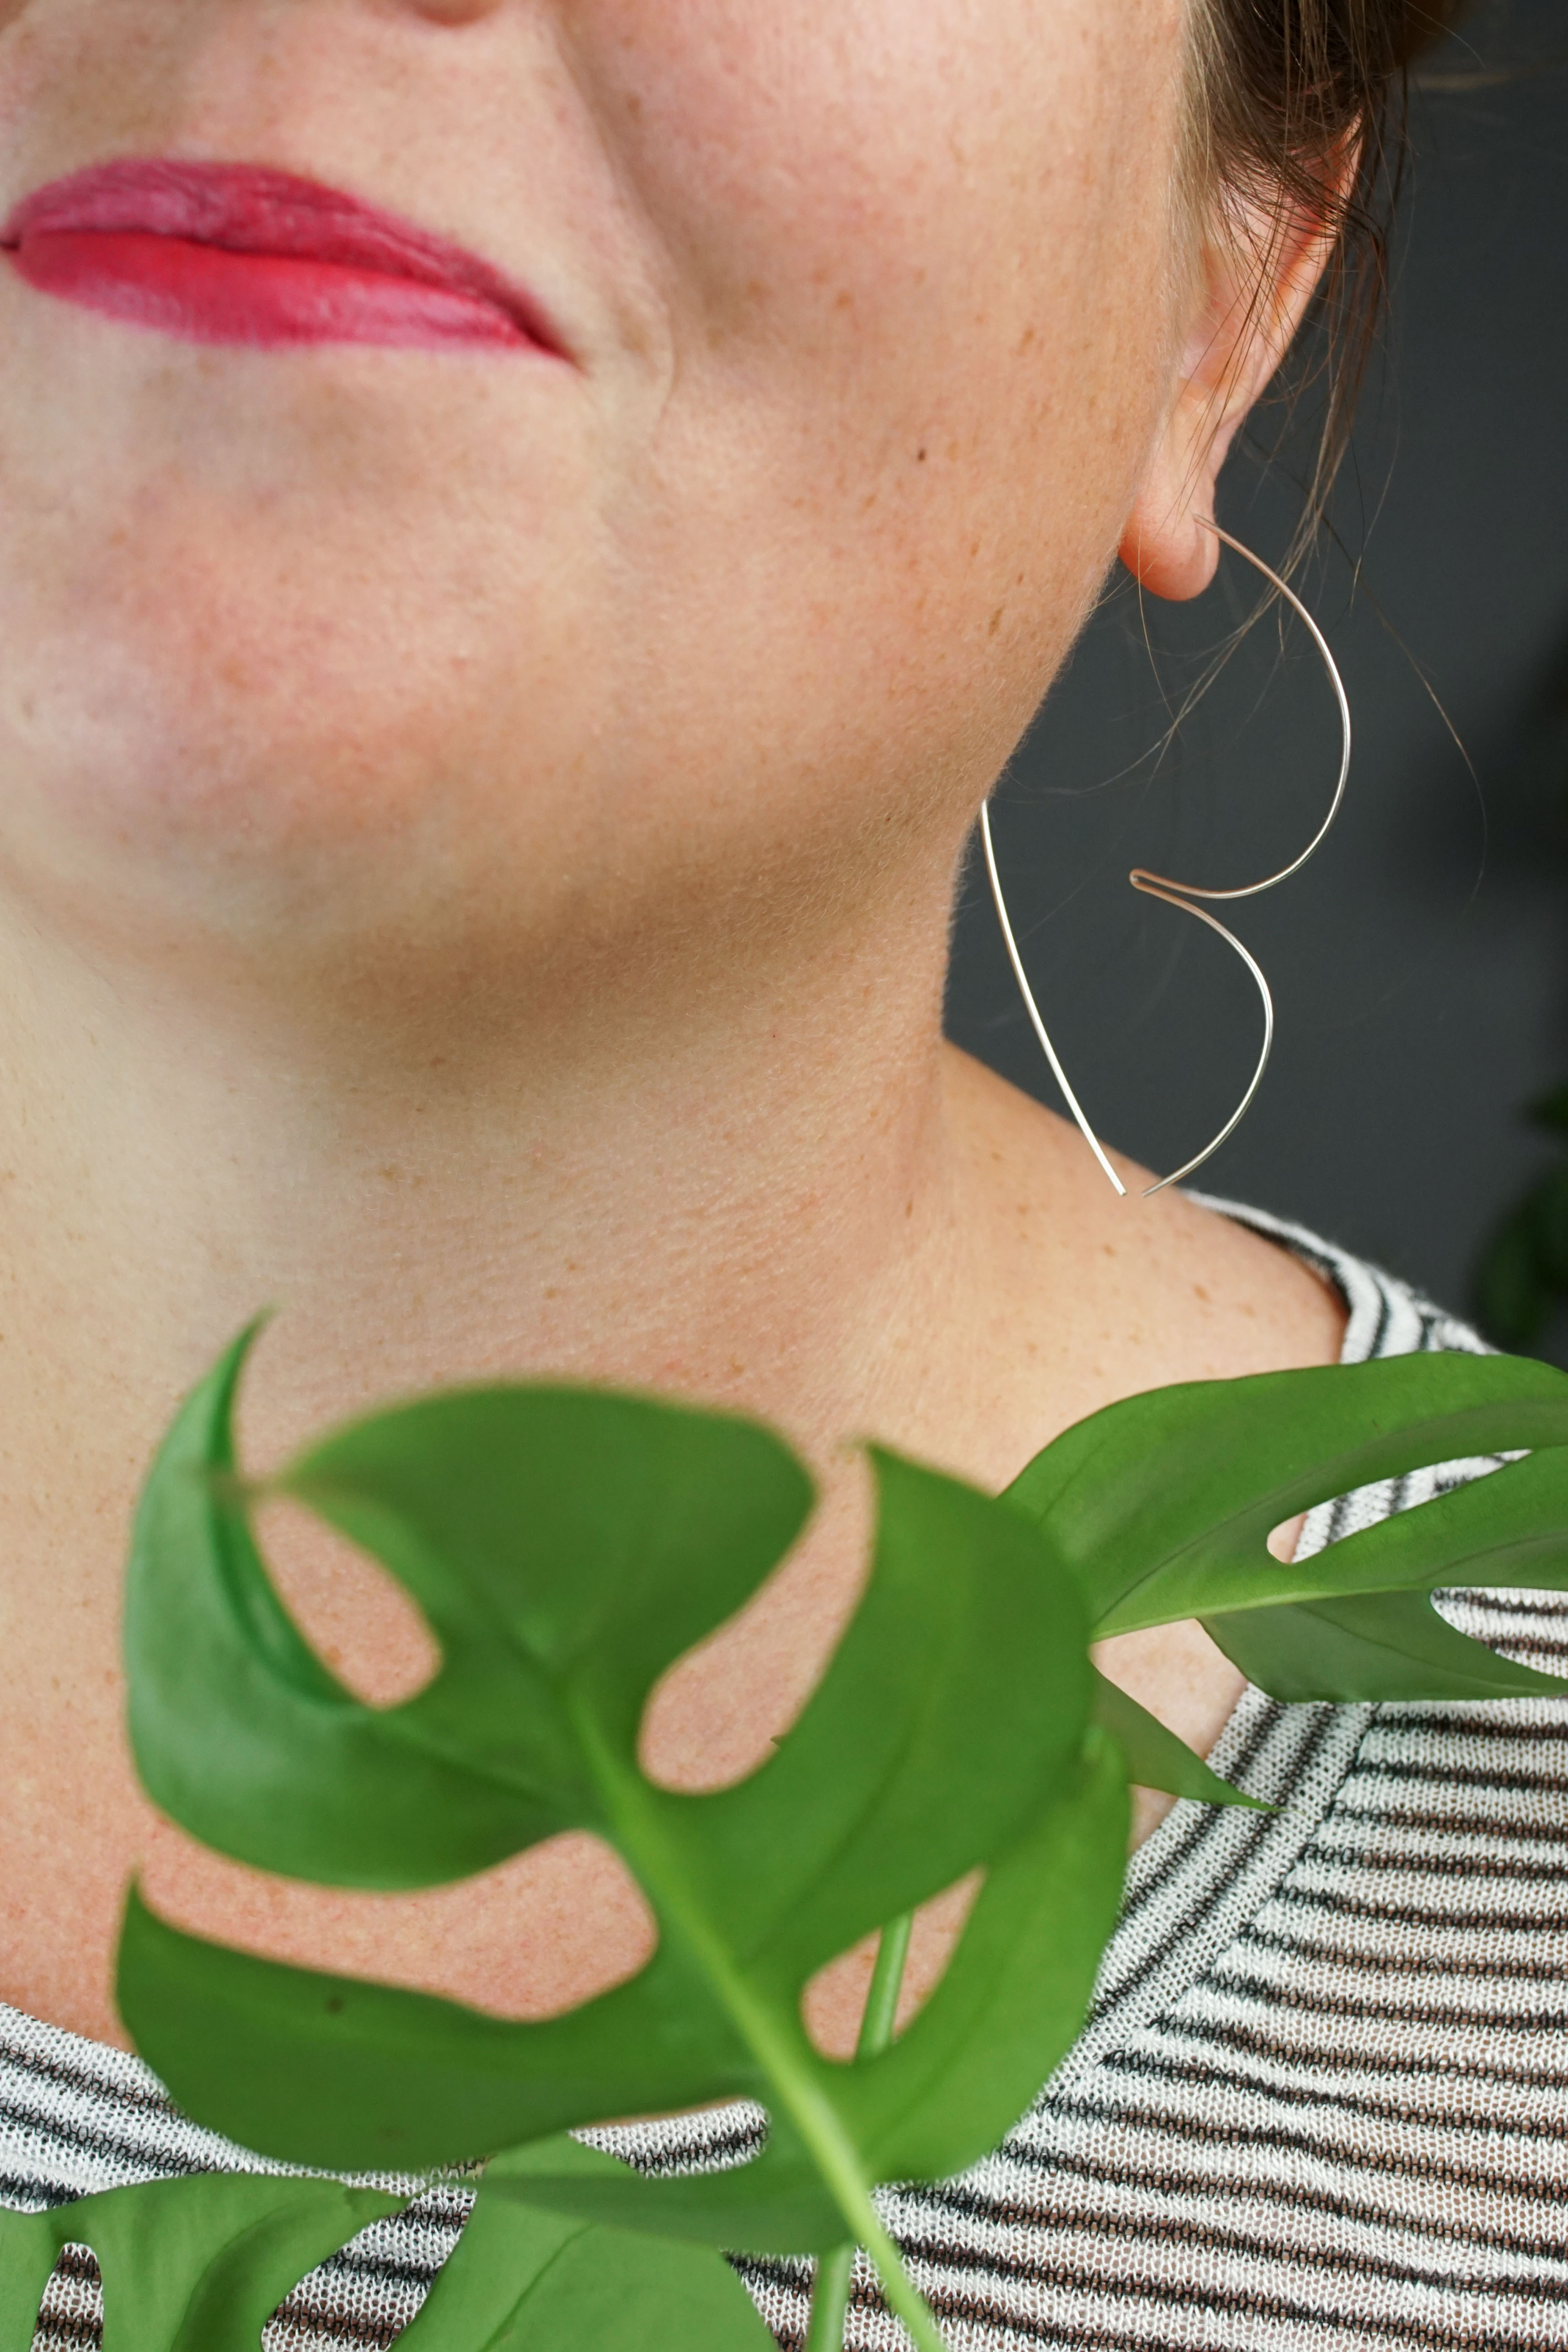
198	2264
1156	1758
1163	1505
523	2280
566	1548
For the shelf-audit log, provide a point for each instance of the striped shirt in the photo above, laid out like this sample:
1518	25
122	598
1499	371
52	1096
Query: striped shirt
1319	2101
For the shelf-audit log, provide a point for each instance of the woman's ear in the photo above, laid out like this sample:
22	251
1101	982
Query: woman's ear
1252	294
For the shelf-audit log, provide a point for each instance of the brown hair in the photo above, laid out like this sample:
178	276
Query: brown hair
1287	92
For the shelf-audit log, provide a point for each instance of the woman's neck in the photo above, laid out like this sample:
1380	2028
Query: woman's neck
781	1194
743	1189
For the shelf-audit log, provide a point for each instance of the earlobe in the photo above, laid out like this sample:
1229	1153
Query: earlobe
1167	545
1253	294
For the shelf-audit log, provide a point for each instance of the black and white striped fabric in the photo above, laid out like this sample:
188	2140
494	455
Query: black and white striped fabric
1320	2101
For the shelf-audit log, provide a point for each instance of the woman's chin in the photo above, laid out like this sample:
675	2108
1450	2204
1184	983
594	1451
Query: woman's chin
159	817
185	755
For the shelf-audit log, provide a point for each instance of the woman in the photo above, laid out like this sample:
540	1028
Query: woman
529	531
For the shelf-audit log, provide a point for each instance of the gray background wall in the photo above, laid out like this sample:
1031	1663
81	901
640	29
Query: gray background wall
1420	964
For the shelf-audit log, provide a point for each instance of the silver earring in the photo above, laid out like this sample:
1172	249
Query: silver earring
1181	895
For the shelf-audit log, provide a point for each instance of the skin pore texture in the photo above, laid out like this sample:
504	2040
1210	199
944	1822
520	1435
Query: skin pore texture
477	831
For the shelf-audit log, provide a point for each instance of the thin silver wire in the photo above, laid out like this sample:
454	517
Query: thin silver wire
1181	895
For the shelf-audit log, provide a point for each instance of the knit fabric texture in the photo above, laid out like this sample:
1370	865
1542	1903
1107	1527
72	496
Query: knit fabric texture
1319	2101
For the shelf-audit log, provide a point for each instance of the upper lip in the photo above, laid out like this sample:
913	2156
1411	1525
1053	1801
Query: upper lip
252	208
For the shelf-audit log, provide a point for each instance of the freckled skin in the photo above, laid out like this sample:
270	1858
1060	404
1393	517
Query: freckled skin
695	503
478	840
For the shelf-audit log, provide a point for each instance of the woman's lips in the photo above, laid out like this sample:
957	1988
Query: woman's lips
236	253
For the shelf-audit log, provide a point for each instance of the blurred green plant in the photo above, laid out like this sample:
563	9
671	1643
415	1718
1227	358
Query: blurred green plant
566	1547
1523	1277
187	2265
200	2264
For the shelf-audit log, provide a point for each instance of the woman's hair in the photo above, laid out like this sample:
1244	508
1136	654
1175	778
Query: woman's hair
1300	107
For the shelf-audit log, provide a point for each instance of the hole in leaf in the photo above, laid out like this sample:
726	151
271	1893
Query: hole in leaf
72	2309
361	1622
747	2129
1283	1540
536	1936
718	1711
333	2304
834	2001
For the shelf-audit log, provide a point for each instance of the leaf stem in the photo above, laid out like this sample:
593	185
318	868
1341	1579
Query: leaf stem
838	2162
835	2272
886	1983
830	2300
638	1826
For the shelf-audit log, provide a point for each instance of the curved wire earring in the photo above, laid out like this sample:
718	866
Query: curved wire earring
1181	895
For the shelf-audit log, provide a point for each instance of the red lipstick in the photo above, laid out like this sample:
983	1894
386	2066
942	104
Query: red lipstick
236	252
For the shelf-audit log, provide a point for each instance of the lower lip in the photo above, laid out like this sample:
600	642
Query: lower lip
205	294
